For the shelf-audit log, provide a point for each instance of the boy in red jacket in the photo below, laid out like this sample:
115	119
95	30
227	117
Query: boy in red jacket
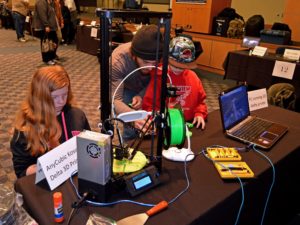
190	93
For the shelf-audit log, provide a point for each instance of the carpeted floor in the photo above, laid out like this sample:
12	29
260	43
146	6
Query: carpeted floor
18	61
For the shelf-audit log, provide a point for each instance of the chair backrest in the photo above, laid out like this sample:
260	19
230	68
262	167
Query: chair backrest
254	25
283	95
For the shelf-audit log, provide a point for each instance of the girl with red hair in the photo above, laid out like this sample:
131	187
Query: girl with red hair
46	118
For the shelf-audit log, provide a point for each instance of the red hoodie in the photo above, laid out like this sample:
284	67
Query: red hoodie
190	90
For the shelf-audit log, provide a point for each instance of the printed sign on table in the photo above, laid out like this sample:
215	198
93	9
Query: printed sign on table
58	164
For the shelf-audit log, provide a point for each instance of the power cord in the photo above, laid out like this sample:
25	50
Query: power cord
186	177
271	186
135	202
76	206
239	179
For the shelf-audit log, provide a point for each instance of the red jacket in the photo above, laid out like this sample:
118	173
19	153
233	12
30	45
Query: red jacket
190	90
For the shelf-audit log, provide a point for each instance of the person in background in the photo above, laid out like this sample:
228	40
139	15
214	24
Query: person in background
77	6
5	15
67	22
73	12
45	24
45	119
128	57
60	22
20	9
190	93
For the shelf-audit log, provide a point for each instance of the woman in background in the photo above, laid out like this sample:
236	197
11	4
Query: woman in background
46	24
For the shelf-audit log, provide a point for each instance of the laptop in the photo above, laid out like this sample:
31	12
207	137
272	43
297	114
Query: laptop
250	42
239	124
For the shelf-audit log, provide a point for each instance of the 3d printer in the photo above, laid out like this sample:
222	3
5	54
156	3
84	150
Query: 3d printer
147	177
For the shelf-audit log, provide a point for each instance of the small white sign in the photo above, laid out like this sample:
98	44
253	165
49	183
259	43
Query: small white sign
258	99
58	164
27	19
94	32
291	54
259	51
284	69
93	23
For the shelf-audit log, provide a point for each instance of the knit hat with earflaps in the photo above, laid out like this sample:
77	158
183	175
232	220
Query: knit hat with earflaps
145	42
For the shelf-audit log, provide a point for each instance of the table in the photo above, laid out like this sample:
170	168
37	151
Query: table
256	70
84	41
209	200
91	45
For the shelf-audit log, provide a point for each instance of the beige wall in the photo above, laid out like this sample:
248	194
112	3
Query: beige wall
119	4
271	10
157	7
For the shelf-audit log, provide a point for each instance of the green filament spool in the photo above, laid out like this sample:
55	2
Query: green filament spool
175	131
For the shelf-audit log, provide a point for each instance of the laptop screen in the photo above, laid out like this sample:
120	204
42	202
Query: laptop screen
234	106
250	42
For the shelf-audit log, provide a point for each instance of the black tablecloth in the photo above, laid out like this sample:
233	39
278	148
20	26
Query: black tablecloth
84	41
257	71
209	199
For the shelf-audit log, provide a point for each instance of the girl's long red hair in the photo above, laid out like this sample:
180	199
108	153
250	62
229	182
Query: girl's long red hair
37	115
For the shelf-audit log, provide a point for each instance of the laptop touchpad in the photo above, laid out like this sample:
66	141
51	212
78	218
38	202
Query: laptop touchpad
268	136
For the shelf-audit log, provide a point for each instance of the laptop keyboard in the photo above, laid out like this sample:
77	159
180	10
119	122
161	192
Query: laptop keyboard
251	129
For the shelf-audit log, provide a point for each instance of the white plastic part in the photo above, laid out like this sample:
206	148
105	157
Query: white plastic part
180	154
176	154
133	115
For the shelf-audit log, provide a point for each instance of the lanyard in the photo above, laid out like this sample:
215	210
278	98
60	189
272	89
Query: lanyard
64	125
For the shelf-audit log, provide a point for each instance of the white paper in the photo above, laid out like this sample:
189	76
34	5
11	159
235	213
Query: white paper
258	99
291	54
284	69
39	173
93	23
259	51
58	164
94	32
27	19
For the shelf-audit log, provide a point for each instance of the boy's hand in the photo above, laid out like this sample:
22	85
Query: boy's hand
136	102
199	122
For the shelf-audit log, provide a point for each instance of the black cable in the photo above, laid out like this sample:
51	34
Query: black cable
76	206
71	215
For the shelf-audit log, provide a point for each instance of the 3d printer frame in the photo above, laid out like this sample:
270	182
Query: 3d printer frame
106	16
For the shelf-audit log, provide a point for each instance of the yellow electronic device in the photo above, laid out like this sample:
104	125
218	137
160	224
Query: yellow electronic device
232	170
223	154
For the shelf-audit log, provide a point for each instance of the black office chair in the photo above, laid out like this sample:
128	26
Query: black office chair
132	4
